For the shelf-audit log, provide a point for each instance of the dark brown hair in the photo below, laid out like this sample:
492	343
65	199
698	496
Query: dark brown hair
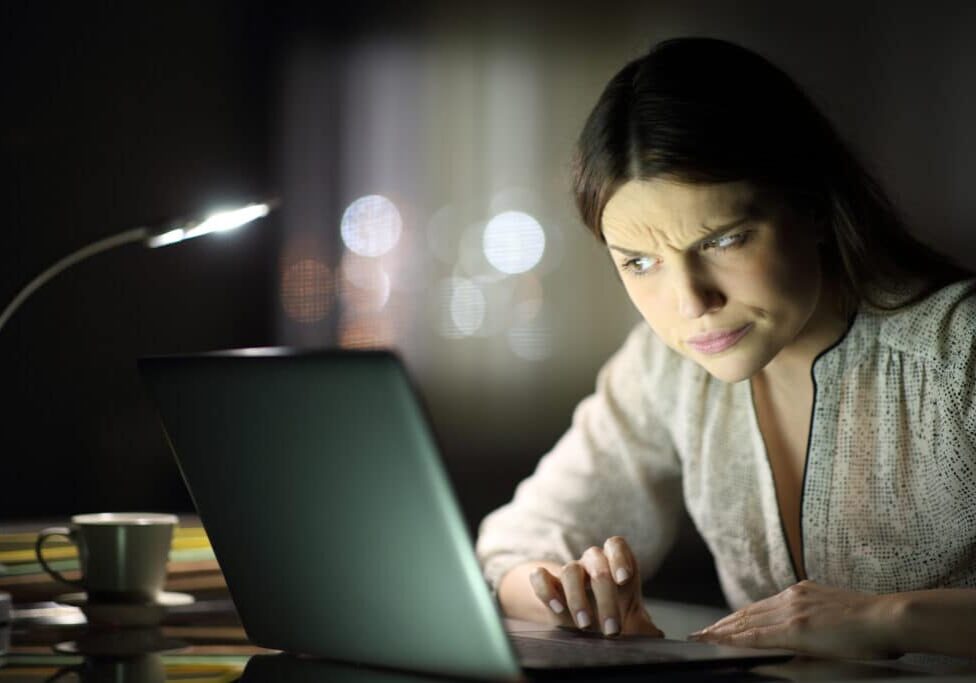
703	110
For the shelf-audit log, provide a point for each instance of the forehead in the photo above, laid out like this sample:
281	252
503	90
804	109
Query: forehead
660	211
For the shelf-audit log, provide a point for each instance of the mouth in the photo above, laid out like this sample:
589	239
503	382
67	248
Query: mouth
714	342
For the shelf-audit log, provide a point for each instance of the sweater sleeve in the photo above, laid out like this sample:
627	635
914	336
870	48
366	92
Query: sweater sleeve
614	472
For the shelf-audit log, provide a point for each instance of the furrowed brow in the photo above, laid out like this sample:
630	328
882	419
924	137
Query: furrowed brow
712	234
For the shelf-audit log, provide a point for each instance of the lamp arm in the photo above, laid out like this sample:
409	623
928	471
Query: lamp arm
134	235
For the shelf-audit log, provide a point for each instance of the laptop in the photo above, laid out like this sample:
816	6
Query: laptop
319	482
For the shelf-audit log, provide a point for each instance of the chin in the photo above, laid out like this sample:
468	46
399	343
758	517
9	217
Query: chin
730	370
725	368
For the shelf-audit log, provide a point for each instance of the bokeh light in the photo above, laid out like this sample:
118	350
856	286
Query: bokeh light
467	307
470	260
368	332
527	298
371	226
358	300
531	340
514	242
462	307
365	284
307	290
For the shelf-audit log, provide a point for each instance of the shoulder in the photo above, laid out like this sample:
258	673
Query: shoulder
939	329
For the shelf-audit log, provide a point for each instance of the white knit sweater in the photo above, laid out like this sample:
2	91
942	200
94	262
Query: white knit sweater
889	492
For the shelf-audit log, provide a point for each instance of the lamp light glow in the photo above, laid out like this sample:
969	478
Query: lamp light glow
171	234
221	221
168	237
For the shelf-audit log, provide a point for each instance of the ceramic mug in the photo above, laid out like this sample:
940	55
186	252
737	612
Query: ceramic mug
122	555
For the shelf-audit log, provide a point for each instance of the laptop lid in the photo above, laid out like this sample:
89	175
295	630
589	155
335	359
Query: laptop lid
319	484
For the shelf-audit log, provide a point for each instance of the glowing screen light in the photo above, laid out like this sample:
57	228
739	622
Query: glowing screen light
307	290
514	242
371	226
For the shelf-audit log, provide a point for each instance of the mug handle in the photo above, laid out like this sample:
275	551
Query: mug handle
77	669
43	536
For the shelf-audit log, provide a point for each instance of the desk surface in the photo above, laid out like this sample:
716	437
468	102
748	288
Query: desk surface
208	642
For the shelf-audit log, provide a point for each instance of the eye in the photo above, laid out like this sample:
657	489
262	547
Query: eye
638	265
725	242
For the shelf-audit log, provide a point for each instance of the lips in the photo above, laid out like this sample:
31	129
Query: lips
719	340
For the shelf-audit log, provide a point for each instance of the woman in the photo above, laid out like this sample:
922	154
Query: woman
804	380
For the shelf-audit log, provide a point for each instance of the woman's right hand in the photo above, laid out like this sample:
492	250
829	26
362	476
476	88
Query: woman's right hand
600	591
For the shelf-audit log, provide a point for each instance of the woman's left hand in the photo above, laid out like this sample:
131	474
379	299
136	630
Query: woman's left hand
811	619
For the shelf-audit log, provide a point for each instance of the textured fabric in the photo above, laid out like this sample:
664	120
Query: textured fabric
889	493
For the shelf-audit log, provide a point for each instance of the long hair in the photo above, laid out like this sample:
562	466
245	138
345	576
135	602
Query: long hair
703	110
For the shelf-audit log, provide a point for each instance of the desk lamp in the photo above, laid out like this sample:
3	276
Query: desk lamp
160	236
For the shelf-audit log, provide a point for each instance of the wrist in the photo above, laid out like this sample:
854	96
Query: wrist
892	622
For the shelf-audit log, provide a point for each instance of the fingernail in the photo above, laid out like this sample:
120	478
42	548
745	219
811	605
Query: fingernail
610	626
583	619
622	575
556	606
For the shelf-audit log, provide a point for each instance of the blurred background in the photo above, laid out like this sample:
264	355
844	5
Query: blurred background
421	152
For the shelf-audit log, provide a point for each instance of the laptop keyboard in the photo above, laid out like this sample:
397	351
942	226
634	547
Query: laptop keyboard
549	652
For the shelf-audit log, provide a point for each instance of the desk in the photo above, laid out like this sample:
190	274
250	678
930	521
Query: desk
212	645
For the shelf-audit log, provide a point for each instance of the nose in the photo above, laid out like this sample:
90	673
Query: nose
696	293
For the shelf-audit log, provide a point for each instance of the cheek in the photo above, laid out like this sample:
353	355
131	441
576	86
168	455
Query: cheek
652	304
791	277
639	296
780	276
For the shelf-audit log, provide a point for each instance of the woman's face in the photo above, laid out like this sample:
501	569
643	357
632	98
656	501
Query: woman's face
724	275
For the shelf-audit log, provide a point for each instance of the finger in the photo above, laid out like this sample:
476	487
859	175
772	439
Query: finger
635	618
776	635
742	622
724	622
604	590
549	590
623	568
573	580
770	604
766	605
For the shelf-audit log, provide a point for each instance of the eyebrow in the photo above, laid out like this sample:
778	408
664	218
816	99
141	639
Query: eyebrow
711	235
